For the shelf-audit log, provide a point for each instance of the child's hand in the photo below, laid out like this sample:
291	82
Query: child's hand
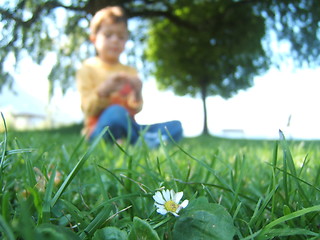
136	85
113	84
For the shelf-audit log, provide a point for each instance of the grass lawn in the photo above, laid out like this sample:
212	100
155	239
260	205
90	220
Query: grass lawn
54	185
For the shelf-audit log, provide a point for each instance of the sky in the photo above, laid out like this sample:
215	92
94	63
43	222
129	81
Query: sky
258	112
283	99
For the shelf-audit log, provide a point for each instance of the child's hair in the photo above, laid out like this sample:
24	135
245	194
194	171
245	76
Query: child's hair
109	15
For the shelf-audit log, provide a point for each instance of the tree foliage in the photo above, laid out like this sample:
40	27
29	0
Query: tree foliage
222	51
36	28
220	55
297	22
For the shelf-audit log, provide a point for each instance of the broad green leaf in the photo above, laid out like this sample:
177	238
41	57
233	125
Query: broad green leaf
110	233
142	230
204	220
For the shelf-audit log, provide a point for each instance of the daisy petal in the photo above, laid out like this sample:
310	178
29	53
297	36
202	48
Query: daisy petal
184	203
175	214
168	201
162	211
158	198
159	205
166	195
172	194
178	197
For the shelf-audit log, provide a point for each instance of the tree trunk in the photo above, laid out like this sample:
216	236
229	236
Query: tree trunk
205	130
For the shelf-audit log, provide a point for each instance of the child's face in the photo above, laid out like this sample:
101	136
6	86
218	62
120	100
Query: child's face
110	41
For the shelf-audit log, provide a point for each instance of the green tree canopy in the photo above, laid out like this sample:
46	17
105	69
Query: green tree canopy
35	28
216	57
222	37
222	56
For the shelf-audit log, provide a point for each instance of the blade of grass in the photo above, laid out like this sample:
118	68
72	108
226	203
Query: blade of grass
140	185
26	224
164	221
122	197
76	149
300	180
287	217
316	181
79	216
116	143
76	169
46	209
31	176
65	153
215	186
4	149
238	180
128	184
287	154
304	164
234	172
205	165
255	212
266	200
274	178
3	154
211	197
5	202
114	175
237	211
174	169
285	173
6	230
154	175
158	166
289	160
290	232
16	151
96	222
129	131
100	182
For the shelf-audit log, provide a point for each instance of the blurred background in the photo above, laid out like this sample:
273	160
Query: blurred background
253	64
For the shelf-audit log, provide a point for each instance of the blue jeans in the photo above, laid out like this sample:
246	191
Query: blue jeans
121	125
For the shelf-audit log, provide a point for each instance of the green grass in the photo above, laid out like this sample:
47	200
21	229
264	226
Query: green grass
243	189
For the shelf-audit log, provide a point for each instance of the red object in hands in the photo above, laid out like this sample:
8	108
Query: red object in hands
126	89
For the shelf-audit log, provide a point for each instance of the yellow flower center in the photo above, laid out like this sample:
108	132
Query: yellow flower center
171	206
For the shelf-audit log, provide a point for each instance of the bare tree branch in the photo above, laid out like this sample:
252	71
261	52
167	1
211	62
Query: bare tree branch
44	7
165	14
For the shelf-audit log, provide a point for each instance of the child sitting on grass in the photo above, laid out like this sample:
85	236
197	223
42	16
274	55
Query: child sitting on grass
110	91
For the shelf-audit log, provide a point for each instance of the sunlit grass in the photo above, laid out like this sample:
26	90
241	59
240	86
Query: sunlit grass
269	189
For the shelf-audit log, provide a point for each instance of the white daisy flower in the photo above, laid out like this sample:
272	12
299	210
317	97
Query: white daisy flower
168	201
